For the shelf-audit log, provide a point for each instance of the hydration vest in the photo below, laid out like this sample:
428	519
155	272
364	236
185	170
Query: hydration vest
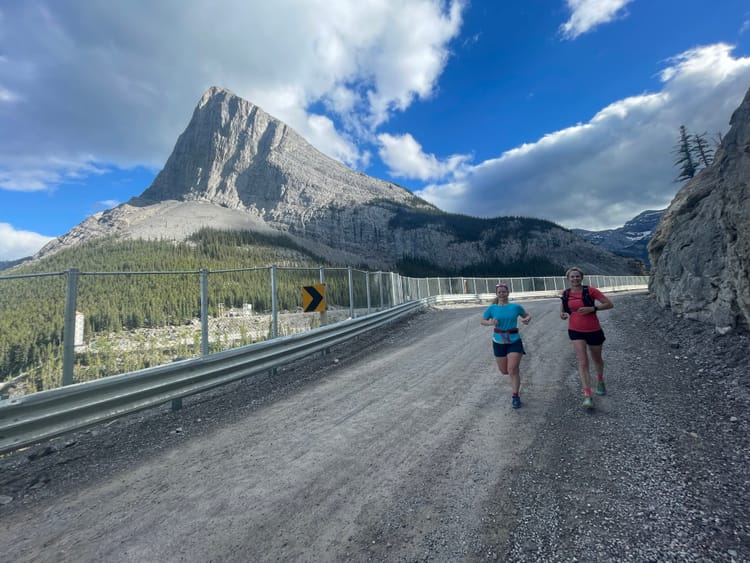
587	301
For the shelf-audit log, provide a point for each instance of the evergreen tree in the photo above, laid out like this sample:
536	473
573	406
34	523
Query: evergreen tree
684	153
701	150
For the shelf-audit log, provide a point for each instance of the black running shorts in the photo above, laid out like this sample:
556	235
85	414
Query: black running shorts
595	338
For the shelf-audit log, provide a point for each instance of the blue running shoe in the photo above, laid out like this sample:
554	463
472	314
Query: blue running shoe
516	402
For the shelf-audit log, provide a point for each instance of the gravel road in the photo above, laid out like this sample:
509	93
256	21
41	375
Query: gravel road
403	447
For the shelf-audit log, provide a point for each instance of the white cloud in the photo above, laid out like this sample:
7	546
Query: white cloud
7	96
115	83
600	174
19	244
29	174
588	14
107	204
405	159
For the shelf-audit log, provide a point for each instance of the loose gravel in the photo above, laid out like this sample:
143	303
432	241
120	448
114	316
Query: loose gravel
659	471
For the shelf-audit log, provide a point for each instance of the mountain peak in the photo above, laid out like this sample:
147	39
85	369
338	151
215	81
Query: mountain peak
234	154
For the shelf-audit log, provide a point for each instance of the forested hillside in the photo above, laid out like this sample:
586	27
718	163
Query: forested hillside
32	308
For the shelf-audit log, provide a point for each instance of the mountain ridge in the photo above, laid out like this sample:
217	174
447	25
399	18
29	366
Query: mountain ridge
237	167
629	240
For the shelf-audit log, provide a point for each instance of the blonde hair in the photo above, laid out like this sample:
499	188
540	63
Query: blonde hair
574	269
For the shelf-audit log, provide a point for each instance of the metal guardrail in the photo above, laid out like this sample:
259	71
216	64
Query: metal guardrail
32	418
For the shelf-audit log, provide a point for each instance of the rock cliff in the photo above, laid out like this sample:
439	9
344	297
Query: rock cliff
236	167
700	251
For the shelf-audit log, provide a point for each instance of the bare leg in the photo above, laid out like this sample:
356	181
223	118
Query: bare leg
502	365
514	371
596	357
583	362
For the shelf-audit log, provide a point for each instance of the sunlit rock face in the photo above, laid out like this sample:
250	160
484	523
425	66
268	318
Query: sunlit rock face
700	252
237	167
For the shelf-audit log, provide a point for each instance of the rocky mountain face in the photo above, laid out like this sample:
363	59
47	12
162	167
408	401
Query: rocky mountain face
700	251
236	167
629	240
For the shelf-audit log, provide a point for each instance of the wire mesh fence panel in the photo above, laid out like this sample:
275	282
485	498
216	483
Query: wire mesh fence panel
379	289
239	307
134	321
359	292
31	333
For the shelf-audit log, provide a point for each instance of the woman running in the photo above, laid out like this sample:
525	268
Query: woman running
506	342
579	307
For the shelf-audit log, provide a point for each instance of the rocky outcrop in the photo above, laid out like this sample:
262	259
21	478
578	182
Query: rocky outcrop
236	167
700	252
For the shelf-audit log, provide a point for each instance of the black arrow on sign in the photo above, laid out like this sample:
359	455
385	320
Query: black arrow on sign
317	298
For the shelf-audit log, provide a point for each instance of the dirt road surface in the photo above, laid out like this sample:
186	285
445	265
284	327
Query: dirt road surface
398	447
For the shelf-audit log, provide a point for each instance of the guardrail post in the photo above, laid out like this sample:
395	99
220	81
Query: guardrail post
274	305
204	311
71	296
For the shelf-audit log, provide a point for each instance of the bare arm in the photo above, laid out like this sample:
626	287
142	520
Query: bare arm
603	305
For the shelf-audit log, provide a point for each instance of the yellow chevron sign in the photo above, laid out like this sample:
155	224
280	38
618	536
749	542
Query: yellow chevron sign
314	298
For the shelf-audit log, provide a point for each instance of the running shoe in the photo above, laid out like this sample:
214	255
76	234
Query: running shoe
516	402
588	402
600	388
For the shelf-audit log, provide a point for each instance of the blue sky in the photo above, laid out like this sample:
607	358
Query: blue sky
566	110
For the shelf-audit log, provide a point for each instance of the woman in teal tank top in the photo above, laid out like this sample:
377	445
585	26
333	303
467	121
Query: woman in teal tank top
507	346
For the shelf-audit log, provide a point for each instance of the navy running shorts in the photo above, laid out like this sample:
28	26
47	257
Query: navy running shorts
595	338
502	350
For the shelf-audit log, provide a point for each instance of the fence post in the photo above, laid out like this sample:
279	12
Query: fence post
204	311
323	314
367	288
351	292
71	296
380	288
274	305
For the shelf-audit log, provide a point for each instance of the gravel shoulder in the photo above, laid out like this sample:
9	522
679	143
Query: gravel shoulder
660	471
402	446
